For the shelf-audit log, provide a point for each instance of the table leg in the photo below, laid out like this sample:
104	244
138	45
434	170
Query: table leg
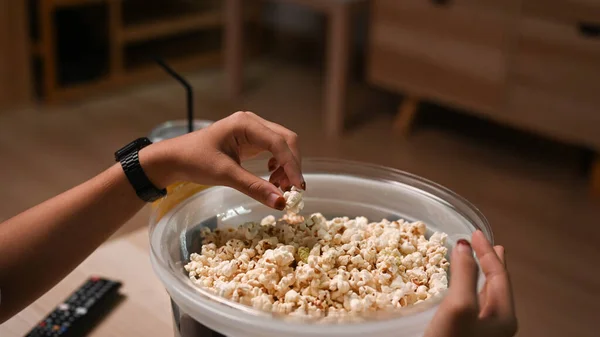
234	49
337	69
595	176
406	115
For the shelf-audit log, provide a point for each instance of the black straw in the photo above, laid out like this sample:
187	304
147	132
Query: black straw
188	89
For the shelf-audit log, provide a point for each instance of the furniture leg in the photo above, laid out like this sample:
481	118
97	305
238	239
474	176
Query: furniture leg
337	68
406	115
595	176
115	23
234	51
48	46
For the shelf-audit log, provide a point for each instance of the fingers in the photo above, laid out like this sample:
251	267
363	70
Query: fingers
290	137
272	164
255	187
499	301
463	280
500	252
279	179
491	264
251	131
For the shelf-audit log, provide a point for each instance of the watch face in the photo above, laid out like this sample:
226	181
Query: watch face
136	145
142	142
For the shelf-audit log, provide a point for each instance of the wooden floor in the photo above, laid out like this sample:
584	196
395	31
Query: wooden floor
534	193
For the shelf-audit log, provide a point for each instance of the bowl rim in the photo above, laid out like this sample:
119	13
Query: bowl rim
181	287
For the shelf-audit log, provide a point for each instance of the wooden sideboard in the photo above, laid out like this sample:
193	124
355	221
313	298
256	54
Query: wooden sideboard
533	64
15	73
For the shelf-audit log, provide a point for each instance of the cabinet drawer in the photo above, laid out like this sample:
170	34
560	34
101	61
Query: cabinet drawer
572	11
556	80
454	53
560	117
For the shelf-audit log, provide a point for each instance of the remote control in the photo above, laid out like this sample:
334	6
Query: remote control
79	311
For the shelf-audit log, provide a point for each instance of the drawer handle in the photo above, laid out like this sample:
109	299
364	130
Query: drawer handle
441	2
589	30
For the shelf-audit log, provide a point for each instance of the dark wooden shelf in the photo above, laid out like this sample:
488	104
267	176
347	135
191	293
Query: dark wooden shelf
185	33
171	26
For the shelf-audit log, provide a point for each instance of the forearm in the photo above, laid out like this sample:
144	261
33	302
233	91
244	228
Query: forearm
43	244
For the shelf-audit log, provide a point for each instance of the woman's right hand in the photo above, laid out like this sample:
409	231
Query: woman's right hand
463	312
213	156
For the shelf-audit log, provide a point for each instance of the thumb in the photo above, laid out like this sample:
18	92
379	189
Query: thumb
255	187
463	279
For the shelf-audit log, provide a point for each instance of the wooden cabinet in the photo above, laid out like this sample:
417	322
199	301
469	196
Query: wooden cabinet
456	53
534	64
572	11
556	81
15	74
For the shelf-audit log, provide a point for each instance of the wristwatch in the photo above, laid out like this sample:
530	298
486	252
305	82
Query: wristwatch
130	162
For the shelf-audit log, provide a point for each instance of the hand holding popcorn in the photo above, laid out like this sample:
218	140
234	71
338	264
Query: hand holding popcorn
293	200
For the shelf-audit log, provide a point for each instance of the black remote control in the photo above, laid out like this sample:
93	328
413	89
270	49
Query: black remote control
80	311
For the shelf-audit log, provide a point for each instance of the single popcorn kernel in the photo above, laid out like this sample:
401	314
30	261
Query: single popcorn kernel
303	253
293	200
349	266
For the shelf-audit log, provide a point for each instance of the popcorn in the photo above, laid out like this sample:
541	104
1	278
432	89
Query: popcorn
268	221
321	268
293	200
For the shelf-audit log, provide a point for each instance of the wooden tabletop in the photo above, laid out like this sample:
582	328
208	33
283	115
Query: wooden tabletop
145	311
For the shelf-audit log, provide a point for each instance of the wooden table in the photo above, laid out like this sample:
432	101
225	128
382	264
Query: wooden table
146	309
339	14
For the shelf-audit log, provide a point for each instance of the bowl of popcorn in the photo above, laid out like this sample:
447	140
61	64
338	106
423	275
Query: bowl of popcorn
364	250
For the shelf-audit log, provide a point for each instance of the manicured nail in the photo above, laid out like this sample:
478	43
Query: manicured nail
279	202
272	165
464	246
303	185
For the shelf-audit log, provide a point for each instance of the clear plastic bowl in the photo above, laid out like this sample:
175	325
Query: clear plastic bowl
334	188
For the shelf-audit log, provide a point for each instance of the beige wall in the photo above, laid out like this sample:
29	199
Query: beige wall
15	64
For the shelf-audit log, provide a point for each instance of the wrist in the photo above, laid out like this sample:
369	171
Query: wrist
158	164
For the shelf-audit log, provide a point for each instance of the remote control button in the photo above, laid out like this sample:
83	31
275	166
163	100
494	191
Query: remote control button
56	328
63	306
89	303
42	324
81	311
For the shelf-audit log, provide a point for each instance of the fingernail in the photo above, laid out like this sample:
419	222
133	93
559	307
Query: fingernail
272	165
276	201
303	185
464	246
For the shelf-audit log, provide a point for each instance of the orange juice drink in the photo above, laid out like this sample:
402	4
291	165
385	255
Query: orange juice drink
181	190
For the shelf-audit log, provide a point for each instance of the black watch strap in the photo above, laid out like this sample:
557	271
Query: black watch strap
130	162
